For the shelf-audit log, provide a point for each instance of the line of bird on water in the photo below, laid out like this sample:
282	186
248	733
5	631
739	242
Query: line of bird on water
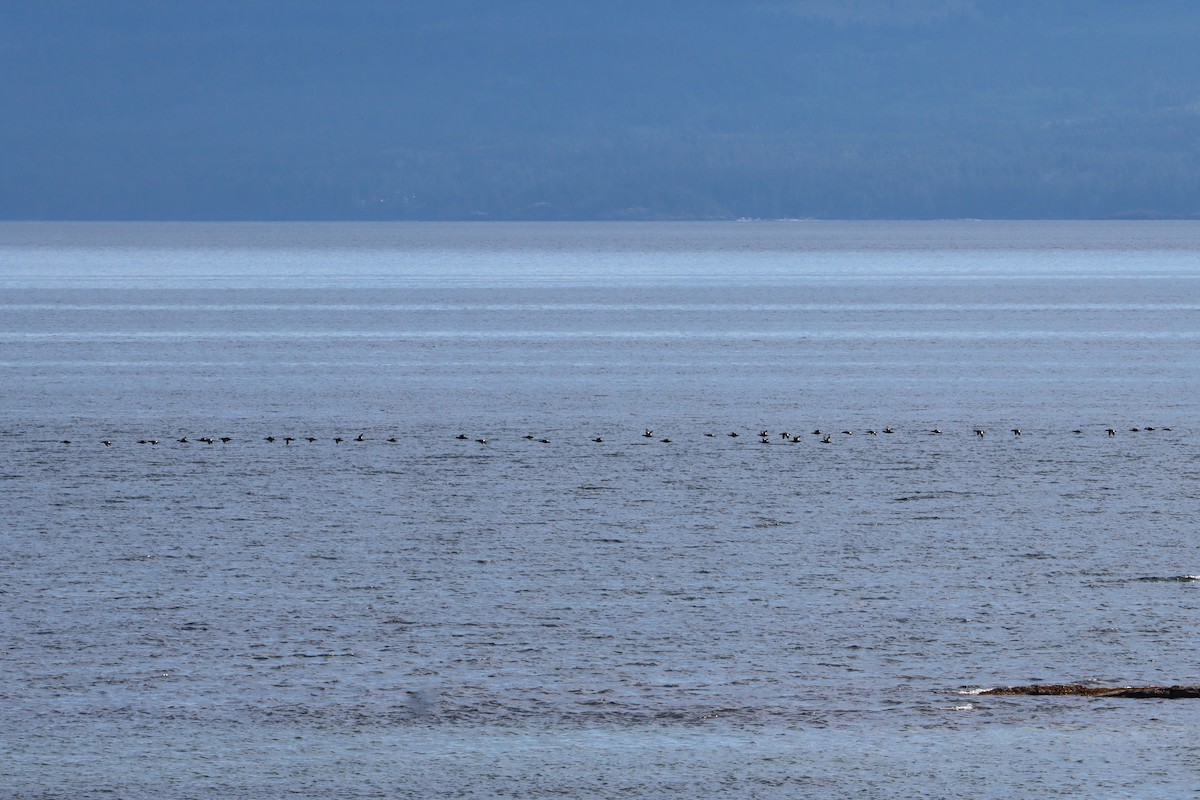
765	436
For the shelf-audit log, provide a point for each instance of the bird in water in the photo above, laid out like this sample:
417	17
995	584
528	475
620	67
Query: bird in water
1110	431
269	439
827	439
286	440
1016	431
182	440
359	438
338	440
597	439
733	434
649	434
107	443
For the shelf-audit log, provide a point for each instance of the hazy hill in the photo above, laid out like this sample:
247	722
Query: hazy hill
278	109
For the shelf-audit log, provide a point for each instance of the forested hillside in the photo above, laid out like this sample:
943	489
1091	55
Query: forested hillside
661	109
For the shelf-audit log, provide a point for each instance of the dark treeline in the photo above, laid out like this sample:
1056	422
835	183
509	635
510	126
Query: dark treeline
468	109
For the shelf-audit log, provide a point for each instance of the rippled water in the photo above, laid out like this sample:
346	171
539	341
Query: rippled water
706	617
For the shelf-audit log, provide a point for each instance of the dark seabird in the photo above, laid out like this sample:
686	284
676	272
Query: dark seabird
936	431
107	443
1110	431
888	430
482	441
1133	430
649	434
544	441
979	432
310	439
1016	431
1147	429
392	440
528	436
597	439
817	432
665	441
338	440
795	440
848	433
872	433
359	438
764	433
286	440
826	439
65	441
206	440
734	434
710	435
1077	431
228	439
141	441
183	440
269	439
785	435
463	436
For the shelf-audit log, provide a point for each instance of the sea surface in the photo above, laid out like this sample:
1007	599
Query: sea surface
604	613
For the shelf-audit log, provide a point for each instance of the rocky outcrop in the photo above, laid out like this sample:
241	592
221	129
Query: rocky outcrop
1165	692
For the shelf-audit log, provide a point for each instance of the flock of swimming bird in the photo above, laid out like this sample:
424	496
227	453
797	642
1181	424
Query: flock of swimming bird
764	437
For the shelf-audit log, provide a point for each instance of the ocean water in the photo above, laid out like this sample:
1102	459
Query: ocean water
708	616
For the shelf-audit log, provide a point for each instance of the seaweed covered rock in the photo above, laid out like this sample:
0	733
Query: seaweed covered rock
1165	692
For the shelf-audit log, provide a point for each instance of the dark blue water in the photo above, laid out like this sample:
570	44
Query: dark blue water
705	617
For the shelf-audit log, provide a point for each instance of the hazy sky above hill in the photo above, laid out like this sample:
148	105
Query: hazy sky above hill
475	109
